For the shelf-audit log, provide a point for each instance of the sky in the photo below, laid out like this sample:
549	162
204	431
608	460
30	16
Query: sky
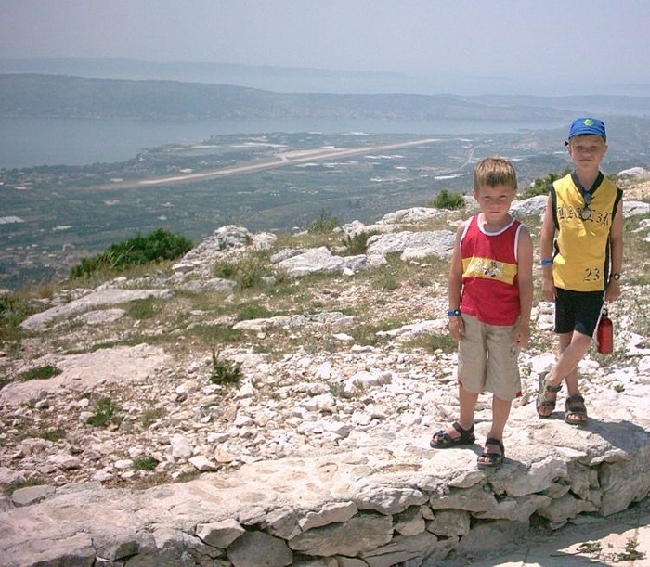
588	45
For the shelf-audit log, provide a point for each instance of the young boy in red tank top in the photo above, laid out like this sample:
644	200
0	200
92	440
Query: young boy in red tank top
490	292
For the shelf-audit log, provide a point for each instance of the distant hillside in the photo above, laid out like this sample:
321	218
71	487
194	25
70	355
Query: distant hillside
313	80
49	96
266	77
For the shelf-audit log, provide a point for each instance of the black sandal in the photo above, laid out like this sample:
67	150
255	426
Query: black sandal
491	460
542	400
442	440
575	405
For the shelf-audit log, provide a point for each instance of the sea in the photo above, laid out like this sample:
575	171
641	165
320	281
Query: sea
29	142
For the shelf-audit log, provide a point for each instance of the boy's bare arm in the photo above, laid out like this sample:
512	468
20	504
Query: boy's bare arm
454	287
525	279
616	240
546	235
613	290
455	278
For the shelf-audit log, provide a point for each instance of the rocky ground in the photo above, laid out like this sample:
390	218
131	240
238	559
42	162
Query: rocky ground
354	354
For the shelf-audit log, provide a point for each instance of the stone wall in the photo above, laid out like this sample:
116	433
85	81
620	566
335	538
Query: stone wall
400	504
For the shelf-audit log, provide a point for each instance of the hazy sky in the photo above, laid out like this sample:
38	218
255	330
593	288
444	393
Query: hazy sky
592	42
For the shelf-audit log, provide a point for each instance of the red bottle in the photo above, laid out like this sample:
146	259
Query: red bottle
605	334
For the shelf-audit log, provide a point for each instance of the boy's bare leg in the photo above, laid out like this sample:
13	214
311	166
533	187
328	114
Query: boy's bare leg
500	414
573	346
571	377
467	405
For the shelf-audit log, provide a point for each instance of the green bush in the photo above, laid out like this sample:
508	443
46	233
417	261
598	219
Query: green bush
39	373
145	463
53	435
143	308
152	415
105	413
13	310
387	282
358	243
159	245
248	272
449	201
225	372
541	184
323	224
253	311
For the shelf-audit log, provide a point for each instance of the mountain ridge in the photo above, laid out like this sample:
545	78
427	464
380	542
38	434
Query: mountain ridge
37	95
300	79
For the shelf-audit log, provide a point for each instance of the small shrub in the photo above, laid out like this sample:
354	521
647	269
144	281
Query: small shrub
540	185
337	389
13	310
248	272
152	415
358	243
39	373
159	245
225	372
387	282
252	311
631	552
105	412
449	201
188	476
534	191
366	335
10	488
143	308
53	435
251	273
433	343
324	223
224	269
211	334
145	463
591	547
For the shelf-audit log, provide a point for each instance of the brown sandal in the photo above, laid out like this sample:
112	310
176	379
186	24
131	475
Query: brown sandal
442	440
575	406
542	401
491	460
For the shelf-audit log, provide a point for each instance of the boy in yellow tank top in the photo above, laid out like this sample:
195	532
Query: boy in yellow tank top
581	251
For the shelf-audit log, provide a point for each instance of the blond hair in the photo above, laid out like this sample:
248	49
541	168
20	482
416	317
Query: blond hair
494	171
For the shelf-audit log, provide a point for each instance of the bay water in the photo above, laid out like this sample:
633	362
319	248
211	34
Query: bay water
28	142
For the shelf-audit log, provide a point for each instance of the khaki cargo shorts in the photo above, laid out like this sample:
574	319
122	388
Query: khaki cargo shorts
488	359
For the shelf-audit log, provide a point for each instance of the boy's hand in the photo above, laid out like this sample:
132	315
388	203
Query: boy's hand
521	335
613	291
548	289
456	328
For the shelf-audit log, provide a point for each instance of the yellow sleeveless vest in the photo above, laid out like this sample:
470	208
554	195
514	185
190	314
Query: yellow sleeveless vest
581	257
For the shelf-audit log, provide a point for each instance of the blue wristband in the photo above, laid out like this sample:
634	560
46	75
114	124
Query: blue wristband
546	263
453	313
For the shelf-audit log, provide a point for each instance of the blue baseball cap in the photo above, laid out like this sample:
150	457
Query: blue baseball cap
583	126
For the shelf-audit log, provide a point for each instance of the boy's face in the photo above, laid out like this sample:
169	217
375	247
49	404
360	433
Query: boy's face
587	151
495	201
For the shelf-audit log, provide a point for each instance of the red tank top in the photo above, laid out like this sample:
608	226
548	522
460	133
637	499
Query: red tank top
490	289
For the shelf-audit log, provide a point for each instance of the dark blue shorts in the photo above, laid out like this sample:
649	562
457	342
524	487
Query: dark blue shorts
577	310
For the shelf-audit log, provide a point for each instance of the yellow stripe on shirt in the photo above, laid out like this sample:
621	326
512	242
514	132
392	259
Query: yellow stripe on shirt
489	268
